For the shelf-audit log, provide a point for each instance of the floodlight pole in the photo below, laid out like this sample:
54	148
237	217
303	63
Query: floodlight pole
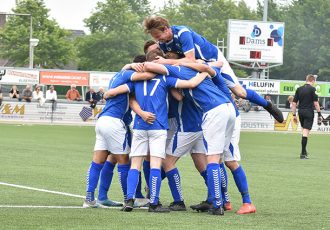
265	15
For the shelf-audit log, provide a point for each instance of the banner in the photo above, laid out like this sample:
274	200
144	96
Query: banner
64	78
289	88
262	87
97	80
20	77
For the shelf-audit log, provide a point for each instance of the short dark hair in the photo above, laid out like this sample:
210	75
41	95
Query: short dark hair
151	55
139	58
147	44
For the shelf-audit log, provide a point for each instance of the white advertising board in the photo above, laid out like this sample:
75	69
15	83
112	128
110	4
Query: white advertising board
97	80
253	41
262	87
20	77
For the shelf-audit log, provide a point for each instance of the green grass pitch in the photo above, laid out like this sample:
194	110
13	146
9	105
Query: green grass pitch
288	193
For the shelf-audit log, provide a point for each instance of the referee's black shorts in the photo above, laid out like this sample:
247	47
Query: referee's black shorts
306	118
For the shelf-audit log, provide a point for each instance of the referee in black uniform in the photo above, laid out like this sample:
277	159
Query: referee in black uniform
307	99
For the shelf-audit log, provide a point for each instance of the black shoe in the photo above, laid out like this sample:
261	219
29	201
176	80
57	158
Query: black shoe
204	206
274	111
304	156
128	206
177	206
158	208
216	211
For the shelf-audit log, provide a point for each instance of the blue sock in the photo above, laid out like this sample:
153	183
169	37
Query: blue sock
174	182
224	183
204	175
255	98
241	183
92	179
138	193
214	184
154	182
132	181
122	175
105	180
146	171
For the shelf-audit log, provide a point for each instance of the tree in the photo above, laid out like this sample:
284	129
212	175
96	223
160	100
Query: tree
116	35
306	46
54	49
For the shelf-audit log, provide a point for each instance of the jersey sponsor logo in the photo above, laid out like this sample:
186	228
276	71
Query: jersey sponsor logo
284	126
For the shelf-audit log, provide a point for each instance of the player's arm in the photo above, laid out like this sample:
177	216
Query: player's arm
142	76
116	91
294	107
155	68
318	108
176	94
199	67
138	67
161	60
193	82
148	117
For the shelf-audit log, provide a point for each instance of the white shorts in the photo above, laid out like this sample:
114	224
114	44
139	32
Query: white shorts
145	141
172	129
214	128
234	154
186	142
111	135
227	72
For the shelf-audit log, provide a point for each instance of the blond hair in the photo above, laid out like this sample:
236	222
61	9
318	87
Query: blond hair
155	23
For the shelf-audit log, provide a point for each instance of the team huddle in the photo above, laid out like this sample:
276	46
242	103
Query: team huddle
181	92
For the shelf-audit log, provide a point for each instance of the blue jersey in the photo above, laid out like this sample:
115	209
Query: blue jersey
172	106
206	95
118	105
185	40
188	116
219	81
151	96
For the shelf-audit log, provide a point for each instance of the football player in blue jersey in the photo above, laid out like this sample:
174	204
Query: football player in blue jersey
151	96
231	155
217	123
111	138
183	40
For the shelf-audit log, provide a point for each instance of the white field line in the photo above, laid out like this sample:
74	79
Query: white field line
47	191
41	190
52	207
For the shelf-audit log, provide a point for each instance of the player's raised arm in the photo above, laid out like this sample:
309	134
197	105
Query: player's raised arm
116	91
193	82
155	68
142	76
200	67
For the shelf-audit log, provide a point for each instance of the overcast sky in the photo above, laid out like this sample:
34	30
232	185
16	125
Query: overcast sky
69	14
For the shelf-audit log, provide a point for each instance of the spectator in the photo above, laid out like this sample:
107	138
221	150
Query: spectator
100	95
288	102
51	94
38	95
26	94
0	95
73	94
14	93
91	96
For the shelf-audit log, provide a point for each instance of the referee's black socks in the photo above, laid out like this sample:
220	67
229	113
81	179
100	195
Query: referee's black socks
303	145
